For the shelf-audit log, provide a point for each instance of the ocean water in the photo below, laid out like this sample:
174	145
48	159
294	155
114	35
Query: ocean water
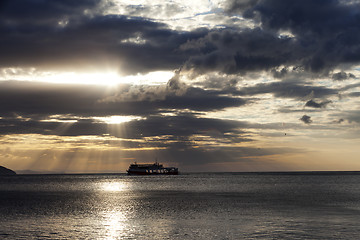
187	206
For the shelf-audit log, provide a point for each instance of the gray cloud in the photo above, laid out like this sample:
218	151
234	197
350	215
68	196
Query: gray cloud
187	140
235	51
48	13
26	98
352	116
162	10
293	41
340	76
64	34
306	119
339	121
54	34
288	90
160	131
184	125
354	94
327	30
313	104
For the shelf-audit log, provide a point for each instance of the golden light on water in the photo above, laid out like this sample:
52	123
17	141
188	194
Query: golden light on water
114	186
114	224
114	218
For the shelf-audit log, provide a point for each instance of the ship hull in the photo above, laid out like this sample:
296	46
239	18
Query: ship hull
151	169
151	173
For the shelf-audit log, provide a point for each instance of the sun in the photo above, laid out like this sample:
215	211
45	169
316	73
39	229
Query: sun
97	78
101	77
116	119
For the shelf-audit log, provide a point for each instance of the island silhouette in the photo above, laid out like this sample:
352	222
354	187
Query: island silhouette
6	171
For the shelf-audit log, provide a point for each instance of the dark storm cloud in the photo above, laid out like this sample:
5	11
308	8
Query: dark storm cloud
354	94
184	126
306	119
201	100
200	139
340	76
53	34
20	126
15	12
64	33
235	51
178	137
26	98
341	120
176	129
313	104
321	18
326	34
349	87
288	90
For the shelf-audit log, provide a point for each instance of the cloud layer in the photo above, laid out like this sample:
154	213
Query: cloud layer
248	74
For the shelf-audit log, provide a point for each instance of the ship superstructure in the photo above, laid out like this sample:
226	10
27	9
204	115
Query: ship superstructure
151	169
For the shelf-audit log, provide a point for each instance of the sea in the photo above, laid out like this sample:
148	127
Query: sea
296	205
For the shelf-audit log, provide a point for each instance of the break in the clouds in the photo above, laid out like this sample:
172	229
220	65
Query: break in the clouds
207	85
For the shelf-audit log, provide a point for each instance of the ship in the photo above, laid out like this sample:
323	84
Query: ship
151	169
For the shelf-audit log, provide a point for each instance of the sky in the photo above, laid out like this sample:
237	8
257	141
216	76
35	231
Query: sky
90	86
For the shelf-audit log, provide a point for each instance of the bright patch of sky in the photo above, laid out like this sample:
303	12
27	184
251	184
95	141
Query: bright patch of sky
96	78
180	14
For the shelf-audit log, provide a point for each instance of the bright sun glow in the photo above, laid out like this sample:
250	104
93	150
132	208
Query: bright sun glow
97	78
109	78
116	119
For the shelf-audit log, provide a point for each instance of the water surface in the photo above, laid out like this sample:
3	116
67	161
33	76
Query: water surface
187	206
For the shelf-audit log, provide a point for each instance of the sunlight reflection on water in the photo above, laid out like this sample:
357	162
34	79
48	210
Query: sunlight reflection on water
198	206
114	223
116	206
115	186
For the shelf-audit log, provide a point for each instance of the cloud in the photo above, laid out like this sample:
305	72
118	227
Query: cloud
339	121
313	104
240	51
184	126
188	131
352	116
80	34
279	74
29	98
327	30
288	90
63	34
354	94
47	13
340	76
272	58
306	119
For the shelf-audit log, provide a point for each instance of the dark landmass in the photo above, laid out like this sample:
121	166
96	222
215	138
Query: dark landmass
28	172
6	171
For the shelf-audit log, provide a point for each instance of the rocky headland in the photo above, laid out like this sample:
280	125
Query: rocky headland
6	171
